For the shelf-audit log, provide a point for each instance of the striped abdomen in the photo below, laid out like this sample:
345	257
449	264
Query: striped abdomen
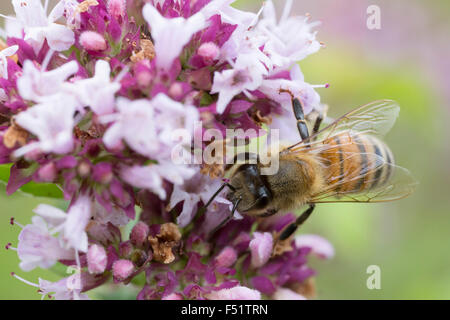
354	164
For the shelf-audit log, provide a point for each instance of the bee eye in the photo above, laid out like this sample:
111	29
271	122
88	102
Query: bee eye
262	202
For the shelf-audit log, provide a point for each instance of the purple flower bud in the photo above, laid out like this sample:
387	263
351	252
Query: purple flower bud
93	41
176	90
126	249
96	259
209	51
47	173
103	173
261	248
84	169
144	78
139	234
226	258
139	257
122	269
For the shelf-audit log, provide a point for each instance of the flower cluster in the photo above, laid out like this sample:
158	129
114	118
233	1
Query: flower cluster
90	97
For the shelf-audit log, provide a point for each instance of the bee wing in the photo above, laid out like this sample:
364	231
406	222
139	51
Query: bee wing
399	184
375	118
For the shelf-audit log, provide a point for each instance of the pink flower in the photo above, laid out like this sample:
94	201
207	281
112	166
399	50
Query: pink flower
72	225
65	289
37	85
171	35
99	91
300	89
319	246
228	13
93	41
150	127
199	188
78	217
151	177
38	248
287	294
290	39
38	27
235	293
52	121
53	216
260	248
173	296
247	74
135	125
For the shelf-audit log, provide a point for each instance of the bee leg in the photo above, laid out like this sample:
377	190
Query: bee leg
293	227
300	116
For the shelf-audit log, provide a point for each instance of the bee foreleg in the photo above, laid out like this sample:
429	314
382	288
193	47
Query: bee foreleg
299	221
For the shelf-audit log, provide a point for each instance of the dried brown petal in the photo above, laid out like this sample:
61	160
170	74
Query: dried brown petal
162	251
147	51
168	237
84	6
169	232
15	134
213	170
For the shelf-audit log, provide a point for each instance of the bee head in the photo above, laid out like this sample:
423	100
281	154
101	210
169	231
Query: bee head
249	190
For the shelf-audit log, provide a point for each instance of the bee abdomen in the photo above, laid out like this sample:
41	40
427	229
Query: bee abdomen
356	162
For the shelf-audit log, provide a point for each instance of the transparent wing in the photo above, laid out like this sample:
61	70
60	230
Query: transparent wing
375	118
398	184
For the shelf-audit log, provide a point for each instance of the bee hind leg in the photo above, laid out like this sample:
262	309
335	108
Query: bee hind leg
299	221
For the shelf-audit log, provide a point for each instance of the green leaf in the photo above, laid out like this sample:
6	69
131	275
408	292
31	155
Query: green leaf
46	190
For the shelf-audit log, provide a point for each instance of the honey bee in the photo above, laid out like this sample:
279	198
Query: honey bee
346	161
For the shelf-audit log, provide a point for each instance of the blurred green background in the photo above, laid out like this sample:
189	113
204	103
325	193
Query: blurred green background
406	60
